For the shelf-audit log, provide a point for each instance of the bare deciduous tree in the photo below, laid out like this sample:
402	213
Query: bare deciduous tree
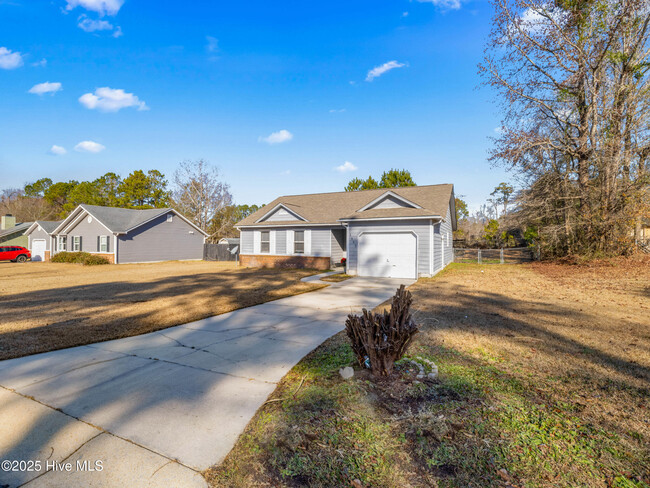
200	193
573	76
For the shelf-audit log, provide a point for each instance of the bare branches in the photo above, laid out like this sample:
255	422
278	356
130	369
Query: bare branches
574	76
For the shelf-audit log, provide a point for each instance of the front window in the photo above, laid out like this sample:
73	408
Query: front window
76	243
103	244
62	243
299	242
265	241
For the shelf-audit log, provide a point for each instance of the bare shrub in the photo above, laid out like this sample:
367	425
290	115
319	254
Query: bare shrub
383	337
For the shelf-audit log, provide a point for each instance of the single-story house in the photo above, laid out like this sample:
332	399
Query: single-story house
121	235
396	232
12	233
41	241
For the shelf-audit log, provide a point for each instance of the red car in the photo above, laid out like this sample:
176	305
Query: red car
14	253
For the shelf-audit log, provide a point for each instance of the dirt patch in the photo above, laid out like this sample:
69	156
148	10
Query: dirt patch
48	306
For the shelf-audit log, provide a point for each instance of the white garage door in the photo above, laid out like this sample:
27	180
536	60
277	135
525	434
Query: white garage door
387	255
38	250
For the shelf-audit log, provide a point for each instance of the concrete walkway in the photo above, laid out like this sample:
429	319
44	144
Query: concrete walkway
157	409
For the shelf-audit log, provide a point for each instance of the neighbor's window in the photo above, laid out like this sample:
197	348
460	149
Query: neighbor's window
299	242
76	243
103	243
265	241
170	217
62	243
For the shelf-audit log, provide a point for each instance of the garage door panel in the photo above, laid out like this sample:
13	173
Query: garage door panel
38	250
387	255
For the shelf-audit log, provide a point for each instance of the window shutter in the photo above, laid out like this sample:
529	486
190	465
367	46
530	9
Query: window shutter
80	248
307	242
290	242
257	237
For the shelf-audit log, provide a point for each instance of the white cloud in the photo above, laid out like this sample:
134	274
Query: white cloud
444	4
90	25
346	167
111	100
118	32
47	87
102	7
337	110
212	45
277	137
42	63
9	59
89	146
405	14
384	68
57	150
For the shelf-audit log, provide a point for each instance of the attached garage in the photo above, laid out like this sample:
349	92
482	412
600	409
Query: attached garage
387	255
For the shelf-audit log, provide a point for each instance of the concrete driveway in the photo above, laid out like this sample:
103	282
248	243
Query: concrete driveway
157	409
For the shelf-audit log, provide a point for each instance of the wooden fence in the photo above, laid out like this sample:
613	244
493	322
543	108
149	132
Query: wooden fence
511	255
220	252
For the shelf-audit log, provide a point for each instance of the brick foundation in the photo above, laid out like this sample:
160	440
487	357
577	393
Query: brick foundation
271	261
109	256
47	256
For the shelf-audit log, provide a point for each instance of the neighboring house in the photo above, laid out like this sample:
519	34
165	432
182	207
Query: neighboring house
123	235
12	234
397	232
41	240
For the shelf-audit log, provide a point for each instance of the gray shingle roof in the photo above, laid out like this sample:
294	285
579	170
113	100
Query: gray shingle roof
49	225
329	208
19	228
122	219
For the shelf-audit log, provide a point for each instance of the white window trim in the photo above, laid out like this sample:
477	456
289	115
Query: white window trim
59	241
304	243
104	244
269	251
76	243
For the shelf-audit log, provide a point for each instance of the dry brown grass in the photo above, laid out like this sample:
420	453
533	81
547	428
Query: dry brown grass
544	382
336	278
48	306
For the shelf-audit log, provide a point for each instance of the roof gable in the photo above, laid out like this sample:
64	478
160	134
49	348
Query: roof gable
389	200
281	213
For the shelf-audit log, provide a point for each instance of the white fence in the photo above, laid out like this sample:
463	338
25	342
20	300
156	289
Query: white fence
508	255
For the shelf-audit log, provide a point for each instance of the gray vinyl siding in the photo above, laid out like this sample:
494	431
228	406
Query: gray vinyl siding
280	241
320	242
40	234
281	215
246	239
420	227
89	233
437	248
390	202
160	240
443	232
337	247
446	233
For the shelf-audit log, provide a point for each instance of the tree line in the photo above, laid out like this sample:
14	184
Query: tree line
573	78
198	192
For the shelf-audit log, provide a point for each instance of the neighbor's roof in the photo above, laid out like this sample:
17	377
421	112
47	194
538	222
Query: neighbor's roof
48	225
122	220
19	228
331	208
230	240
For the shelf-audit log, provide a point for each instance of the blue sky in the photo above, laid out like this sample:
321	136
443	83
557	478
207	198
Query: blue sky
146	84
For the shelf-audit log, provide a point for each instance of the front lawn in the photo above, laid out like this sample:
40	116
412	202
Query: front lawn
48	306
544	382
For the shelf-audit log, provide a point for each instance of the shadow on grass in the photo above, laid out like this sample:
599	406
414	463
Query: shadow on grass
75	315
